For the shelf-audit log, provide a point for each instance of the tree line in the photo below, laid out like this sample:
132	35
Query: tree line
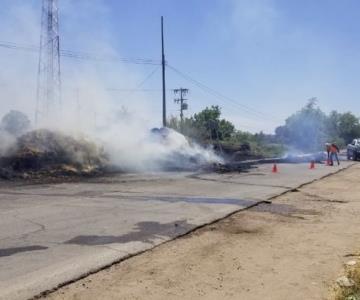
306	130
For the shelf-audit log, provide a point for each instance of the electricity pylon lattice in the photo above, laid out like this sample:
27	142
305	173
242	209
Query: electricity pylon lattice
48	102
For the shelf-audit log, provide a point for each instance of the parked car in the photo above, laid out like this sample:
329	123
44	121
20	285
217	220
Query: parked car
353	150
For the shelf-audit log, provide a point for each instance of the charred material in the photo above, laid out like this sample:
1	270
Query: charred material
236	152
51	153
232	167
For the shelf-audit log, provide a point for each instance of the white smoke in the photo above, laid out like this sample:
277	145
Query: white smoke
7	141
87	105
133	145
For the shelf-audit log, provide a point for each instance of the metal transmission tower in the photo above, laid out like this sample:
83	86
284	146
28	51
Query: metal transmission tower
48	96
183	105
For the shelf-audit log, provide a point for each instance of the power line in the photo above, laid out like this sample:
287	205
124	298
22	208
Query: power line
217	94
107	58
220	96
140	84
16	46
133	90
82	55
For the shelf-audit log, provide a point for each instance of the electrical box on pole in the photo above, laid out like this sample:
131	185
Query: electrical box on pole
181	93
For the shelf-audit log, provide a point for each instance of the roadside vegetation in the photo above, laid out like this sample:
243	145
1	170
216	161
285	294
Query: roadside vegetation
309	128
304	131
207	127
351	289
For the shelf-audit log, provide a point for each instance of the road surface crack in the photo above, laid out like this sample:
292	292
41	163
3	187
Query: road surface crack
197	177
320	198
41	227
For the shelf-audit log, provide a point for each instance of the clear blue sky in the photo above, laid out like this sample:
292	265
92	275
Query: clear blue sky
270	55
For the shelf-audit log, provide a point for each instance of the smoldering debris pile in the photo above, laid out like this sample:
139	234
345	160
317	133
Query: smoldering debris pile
44	152
171	151
236	153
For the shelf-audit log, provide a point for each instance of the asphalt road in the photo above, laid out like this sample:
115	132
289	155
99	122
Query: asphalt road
52	234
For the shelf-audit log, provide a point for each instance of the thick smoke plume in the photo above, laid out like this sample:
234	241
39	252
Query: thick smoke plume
133	146
91	110
122	145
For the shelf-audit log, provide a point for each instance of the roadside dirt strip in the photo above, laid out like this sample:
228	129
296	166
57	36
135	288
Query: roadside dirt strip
294	248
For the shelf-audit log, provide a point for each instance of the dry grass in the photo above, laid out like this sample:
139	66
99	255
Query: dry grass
353	292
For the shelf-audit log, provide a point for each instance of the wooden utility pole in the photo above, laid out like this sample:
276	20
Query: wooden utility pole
163	74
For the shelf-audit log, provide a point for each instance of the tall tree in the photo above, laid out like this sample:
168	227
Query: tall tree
305	129
349	127
15	122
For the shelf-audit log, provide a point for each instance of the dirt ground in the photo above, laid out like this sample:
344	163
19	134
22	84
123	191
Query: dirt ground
294	248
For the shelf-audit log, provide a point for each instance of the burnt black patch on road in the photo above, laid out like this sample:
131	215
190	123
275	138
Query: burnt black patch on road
12	251
144	232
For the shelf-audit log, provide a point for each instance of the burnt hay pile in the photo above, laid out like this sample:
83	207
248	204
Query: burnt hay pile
50	153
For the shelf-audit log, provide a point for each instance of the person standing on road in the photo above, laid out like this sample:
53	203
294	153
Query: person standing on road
334	150
328	147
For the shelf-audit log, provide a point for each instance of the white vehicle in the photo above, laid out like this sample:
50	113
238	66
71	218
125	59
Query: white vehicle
353	150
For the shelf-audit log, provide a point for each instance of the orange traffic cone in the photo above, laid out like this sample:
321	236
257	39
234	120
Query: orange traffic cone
312	164
274	168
